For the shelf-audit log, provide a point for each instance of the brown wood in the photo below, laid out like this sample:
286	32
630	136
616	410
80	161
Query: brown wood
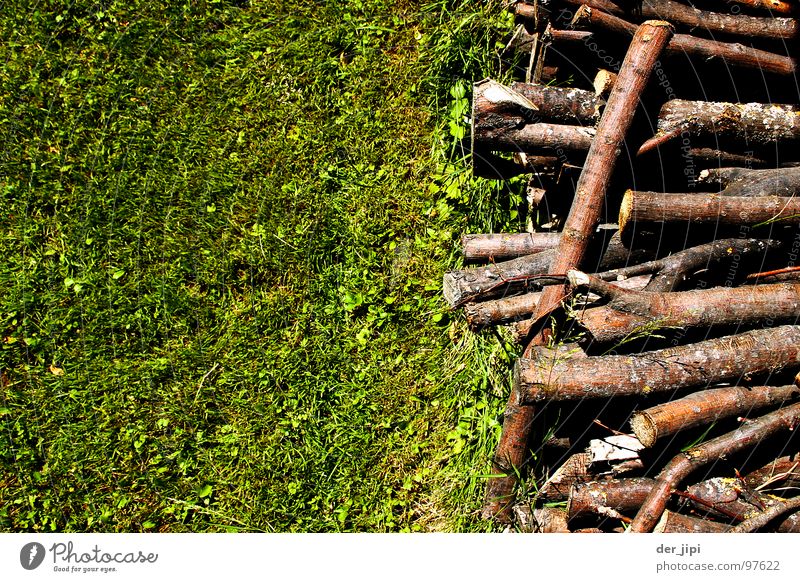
617	494
730	499
603	82
673	271
672	522
461	286
700	364
782	473
753	124
544	138
631	312
733	54
494	247
745	182
562	104
644	210
645	49
776	6
717	22
748	435
486	164
703	408
506	309
757	522
574	470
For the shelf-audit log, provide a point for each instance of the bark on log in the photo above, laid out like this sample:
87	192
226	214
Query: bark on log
685	463
703	408
631	312
672	522
700	364
733	54
784	182
493	247
485	164
783	472
618	494
561	104
716	22
753	124
648	210
544	138
645	49
671	272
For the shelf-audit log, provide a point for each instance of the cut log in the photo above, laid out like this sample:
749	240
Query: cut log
625	495
493	247
603	82
748	435
672	522
700	364
562	104
645	49
649	211
753	124
716	22
703	408
631	312
732	54
544	138
782	182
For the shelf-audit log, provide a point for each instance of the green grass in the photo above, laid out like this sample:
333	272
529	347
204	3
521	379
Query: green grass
224	226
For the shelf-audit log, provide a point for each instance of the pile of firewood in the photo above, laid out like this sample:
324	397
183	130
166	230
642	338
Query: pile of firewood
655	295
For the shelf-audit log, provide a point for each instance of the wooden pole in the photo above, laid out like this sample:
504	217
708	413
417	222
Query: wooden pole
644	210
646	47
750	434
715	360
494	247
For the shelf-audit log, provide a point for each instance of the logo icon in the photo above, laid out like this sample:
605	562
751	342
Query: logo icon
31	555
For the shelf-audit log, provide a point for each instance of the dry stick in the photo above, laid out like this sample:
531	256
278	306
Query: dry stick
776	6
759	521
463	285
647	45
476	247
733	54
683	464
700	364
646	209
731	499
746	182
497	311
716	22
793	271
630	312
702	408
754	124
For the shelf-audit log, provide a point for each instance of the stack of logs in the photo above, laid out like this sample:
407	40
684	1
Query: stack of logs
655	296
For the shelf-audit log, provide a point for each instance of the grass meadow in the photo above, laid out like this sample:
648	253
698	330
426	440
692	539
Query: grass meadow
224	226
